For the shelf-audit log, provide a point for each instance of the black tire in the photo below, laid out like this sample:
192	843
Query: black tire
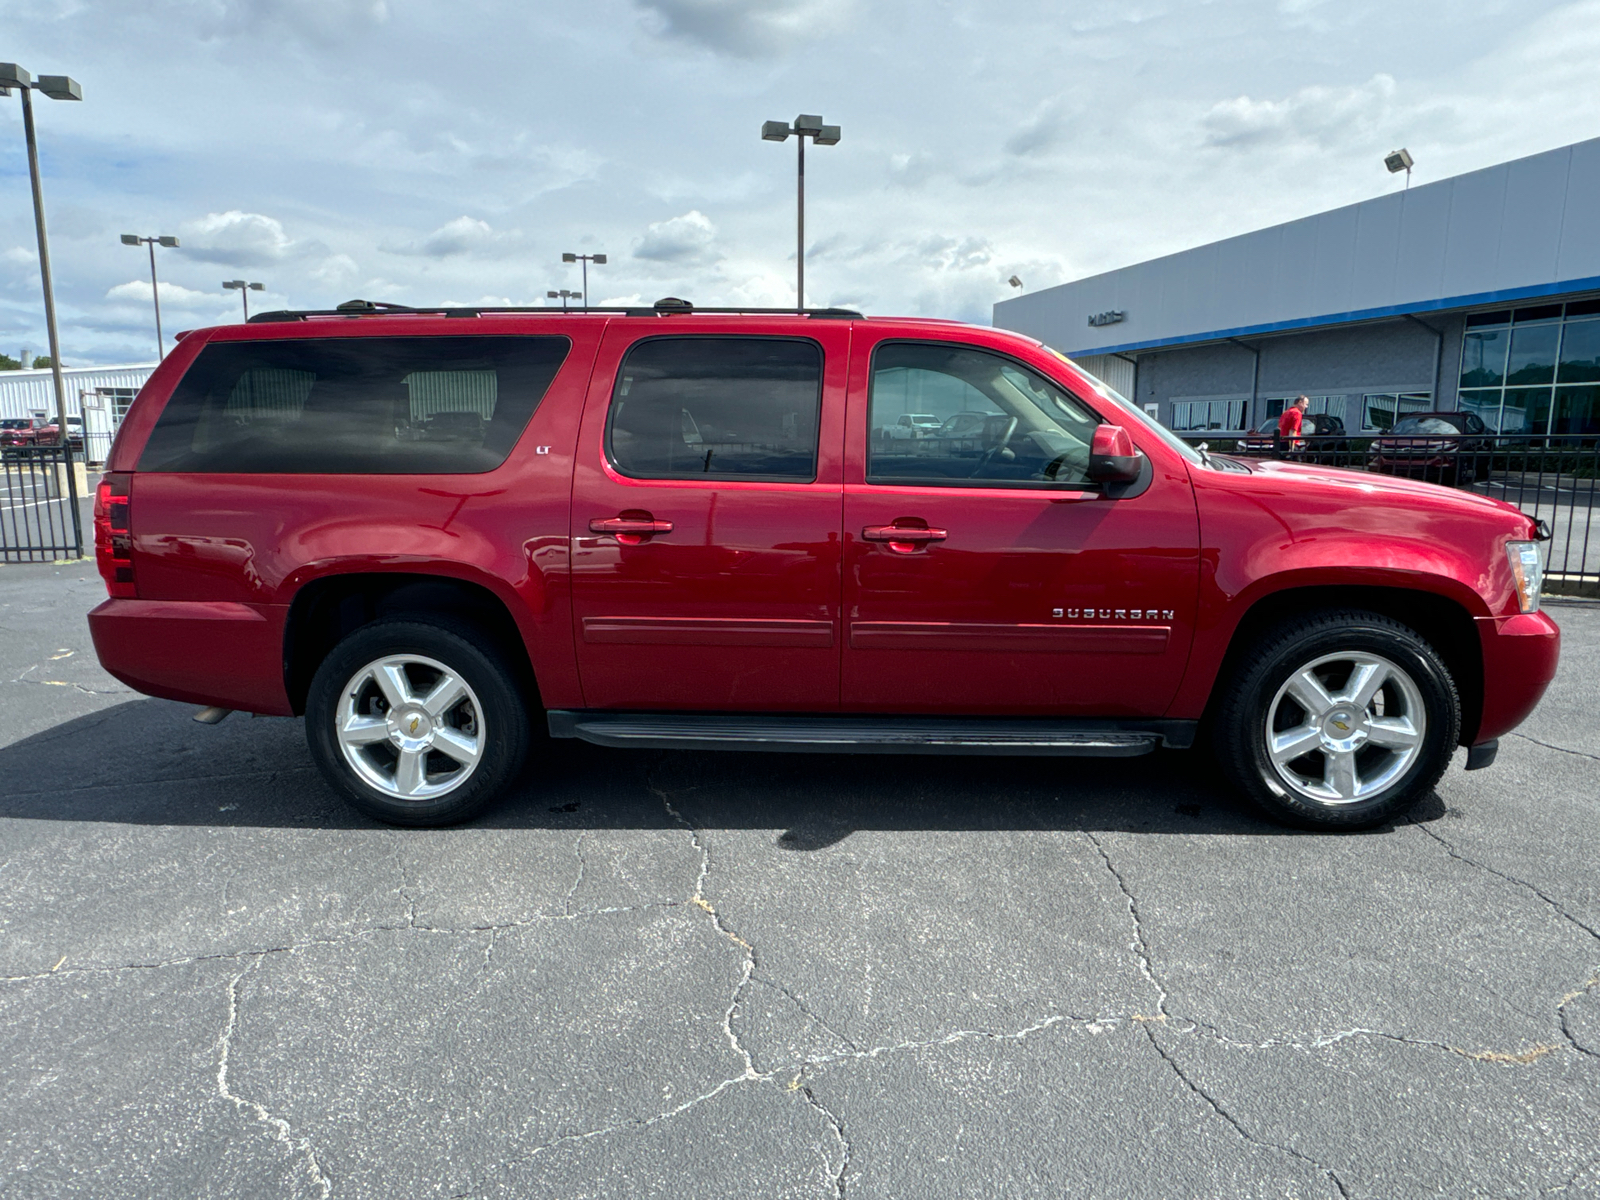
491	716
1263	687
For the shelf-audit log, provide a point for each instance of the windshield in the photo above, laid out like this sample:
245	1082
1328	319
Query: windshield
1143	418
1424	425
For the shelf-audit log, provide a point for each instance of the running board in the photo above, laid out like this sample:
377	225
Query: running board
833	734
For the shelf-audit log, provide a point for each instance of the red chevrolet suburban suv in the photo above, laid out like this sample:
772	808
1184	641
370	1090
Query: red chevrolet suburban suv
669	527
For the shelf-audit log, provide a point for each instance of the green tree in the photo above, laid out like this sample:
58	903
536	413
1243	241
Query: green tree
43	360
7	363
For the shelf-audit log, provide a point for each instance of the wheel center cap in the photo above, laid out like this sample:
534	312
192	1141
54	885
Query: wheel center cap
410	728
1343	730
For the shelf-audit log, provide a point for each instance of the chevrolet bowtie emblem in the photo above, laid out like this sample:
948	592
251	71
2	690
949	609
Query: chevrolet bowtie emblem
415	721
1338	724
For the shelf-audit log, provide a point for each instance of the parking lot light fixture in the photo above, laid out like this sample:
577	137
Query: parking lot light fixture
805	126
133	239
598	260
56	87
564	296
1400	160
244	289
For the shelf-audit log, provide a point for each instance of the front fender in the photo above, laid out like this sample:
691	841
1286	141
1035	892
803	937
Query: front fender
1264	534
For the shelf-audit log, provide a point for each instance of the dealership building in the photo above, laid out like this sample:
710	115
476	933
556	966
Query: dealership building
1479	292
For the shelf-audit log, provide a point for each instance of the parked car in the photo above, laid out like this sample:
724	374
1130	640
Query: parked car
18	433
15	431
1451	448
662	528
1323	440
913	425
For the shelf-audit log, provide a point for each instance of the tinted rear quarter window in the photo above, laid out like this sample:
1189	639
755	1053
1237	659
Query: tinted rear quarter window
717	407
359	406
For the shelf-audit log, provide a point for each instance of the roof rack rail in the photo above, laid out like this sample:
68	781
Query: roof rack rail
666	306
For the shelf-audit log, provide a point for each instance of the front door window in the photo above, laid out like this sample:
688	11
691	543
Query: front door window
978	418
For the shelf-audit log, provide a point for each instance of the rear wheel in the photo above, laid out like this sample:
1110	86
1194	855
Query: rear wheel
1338	720
416	722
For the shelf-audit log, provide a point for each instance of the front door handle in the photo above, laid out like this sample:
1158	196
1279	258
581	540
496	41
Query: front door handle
903	539
630	530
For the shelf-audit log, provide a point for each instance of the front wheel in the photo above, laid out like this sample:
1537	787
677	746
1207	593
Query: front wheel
1338	720
416	723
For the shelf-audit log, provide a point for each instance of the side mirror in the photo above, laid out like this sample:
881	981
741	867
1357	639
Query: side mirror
1112	456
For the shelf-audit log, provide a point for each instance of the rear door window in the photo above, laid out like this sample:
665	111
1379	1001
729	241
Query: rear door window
360	406
717	408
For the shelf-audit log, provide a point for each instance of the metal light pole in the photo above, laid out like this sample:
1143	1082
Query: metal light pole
565	296
598	260
244	289
132	239
823	135
57	87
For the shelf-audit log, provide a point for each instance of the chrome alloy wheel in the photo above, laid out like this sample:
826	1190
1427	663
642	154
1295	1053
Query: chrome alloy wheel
410	727
1344	727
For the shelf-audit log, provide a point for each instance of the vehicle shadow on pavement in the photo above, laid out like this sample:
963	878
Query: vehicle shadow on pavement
146	762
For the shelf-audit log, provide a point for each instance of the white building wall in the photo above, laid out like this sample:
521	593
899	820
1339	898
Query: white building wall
23	393
1116	373
1522	228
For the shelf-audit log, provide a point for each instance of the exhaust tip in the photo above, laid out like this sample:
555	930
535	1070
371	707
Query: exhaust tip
212	715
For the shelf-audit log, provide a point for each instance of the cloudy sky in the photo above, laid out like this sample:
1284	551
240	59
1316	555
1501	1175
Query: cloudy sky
420	151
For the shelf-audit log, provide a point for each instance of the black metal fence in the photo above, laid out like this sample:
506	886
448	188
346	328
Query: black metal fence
1553	478
40	520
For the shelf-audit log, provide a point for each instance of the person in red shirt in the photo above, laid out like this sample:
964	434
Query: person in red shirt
1293	416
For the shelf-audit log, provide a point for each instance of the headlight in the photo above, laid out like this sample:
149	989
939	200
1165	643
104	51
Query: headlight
1527	573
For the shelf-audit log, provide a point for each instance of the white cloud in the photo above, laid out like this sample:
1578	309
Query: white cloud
682	239
1321	116
243	239
462	236
325	22
138	291
746	28
1043	131
335	271
911	170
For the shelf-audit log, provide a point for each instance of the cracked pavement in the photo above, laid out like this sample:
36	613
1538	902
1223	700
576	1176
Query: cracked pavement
657	974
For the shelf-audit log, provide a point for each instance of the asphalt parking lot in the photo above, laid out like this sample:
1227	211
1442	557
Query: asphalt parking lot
659	974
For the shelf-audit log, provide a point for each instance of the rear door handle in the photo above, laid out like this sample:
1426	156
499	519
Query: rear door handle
903	539
630	531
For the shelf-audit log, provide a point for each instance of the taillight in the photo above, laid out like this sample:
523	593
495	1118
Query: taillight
113	536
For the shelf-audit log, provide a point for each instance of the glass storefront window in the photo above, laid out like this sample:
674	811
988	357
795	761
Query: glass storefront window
1577	410
1380	410
1483	357
1580	352
1527	410
1533	354
1510	358
1194	415
1486	404
1542	312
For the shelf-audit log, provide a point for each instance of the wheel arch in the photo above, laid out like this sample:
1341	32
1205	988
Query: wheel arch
328	609
1441	620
